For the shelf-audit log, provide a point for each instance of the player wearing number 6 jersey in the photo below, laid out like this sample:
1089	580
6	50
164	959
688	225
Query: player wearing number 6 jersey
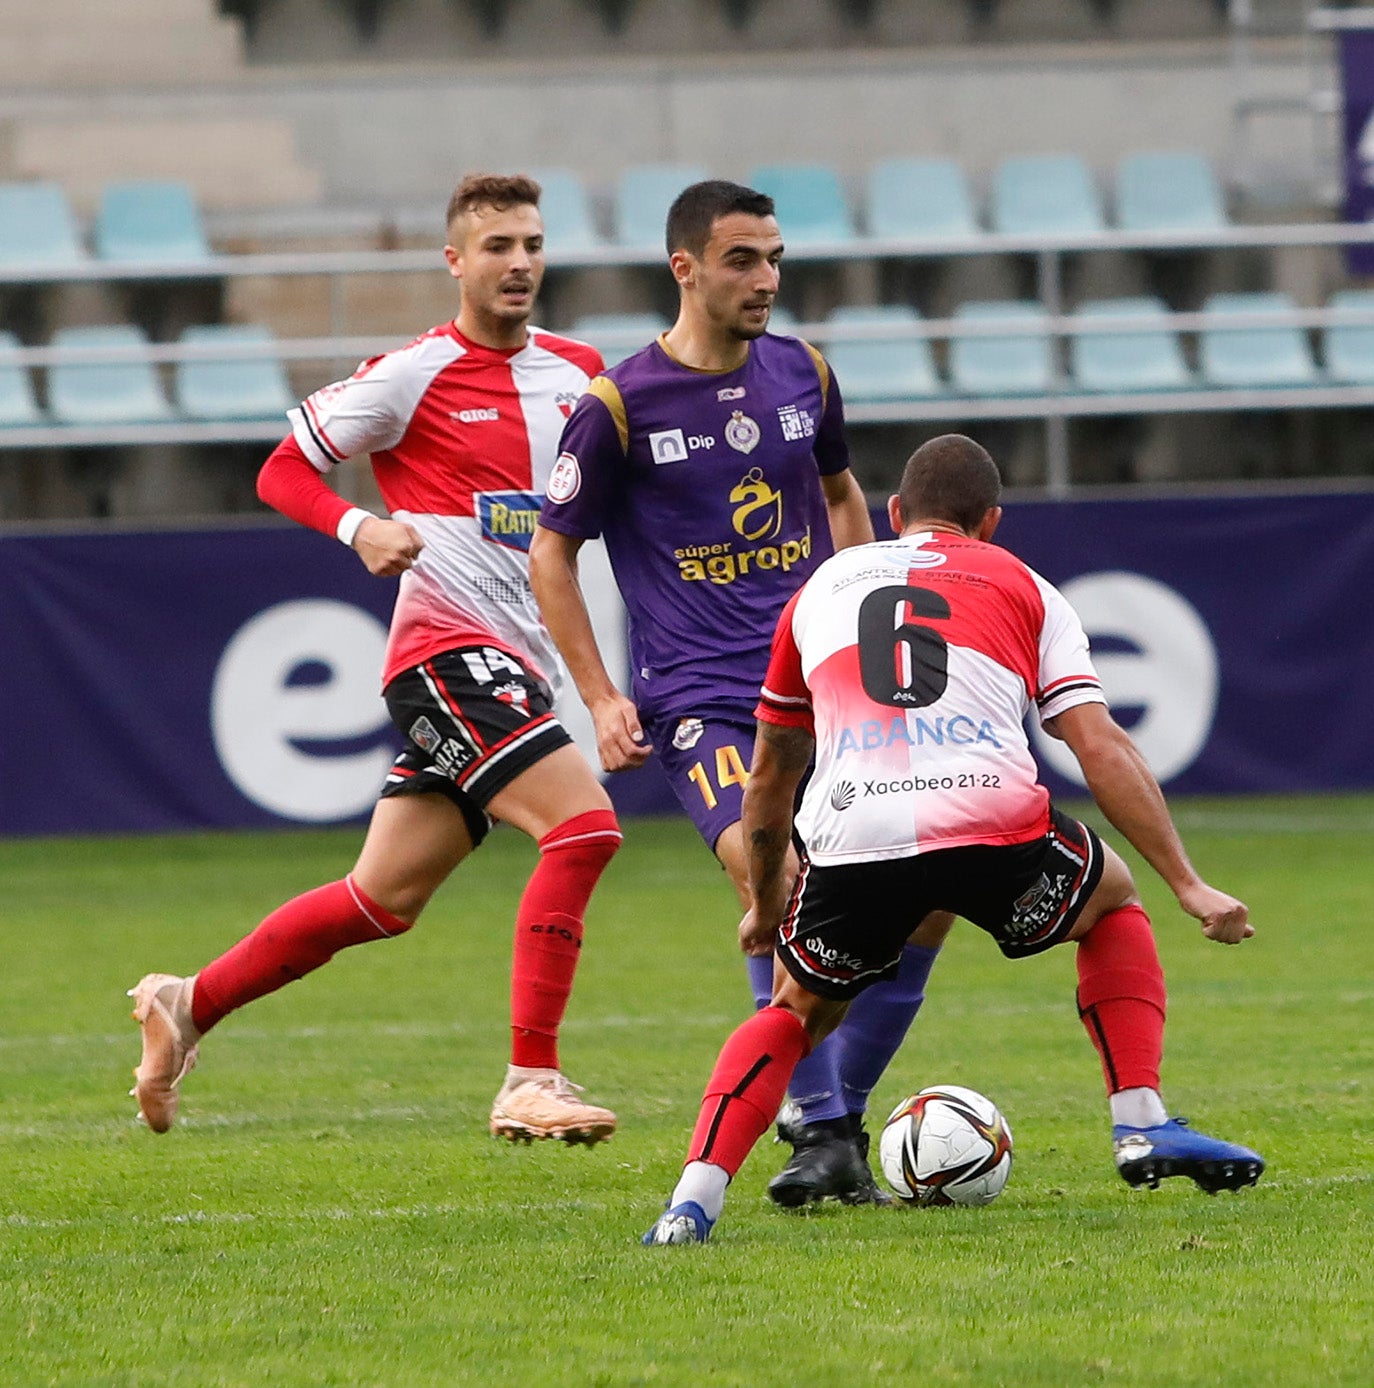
715	464
907	667
462	426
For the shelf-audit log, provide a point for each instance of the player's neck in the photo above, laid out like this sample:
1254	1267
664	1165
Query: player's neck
499	334
699	348
942	527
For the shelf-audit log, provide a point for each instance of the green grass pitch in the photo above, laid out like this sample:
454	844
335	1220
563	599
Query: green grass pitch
332	1211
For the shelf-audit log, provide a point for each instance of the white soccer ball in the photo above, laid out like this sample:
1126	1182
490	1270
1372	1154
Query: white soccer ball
946	1145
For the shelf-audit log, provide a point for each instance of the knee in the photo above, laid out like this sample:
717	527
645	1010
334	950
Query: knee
594	837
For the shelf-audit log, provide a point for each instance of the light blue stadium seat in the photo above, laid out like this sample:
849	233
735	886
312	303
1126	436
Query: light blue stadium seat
635	330
809	200
18	407
642	199
992	365
883	368
1149	358
37	228
1243	357
1349	352
1168	191
926	198
1045	195
236	388
105	393
149	220
566	210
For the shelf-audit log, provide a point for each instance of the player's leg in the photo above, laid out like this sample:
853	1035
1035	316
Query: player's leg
1122	1003
412	844
833	920
560	803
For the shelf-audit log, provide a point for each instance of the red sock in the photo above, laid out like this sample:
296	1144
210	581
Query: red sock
296	938
1121	998
746	1088
548	932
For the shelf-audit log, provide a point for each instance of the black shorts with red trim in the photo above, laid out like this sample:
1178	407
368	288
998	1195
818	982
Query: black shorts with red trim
846	925
473	719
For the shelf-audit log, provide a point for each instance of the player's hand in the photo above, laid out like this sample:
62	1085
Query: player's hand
757	936
387	547
1224	919
620	739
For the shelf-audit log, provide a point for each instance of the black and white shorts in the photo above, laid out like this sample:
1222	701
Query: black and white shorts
473	719
846	925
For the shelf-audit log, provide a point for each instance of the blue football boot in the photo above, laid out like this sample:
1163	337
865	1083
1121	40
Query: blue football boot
684	1223
1146	1156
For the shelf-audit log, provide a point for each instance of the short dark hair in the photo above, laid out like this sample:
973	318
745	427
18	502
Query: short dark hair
697	208
492	190
950	478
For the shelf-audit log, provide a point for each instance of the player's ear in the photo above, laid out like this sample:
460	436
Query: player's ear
454	257
684	267
988	524
894	514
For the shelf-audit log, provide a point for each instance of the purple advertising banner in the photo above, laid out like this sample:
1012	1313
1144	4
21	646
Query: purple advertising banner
228	677
1357	132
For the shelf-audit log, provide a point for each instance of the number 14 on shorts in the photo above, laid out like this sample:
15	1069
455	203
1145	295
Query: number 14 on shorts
730	771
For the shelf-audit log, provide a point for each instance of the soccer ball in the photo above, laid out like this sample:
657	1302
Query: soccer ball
946	1146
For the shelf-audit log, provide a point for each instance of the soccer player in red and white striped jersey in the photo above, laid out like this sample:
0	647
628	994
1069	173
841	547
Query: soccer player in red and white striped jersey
462	426
907	667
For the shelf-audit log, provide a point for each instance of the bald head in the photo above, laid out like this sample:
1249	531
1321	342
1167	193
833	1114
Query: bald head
950	479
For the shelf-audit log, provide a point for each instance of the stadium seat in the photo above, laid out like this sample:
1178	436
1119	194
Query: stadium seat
37	228
1349	352
810	203
567	213
925	198
1149	358
883	368
1045	195
149	220
990	365
108	392
235	388
1242	357
634	330
18	408
1168	191
642	199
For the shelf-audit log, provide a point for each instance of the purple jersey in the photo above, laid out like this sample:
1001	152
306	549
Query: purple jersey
706	487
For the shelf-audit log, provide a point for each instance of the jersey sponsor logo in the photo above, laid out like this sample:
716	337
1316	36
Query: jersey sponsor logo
842	795
758	507
925	558
673	446
508	518
730	393
688	733
565	481
959	730
722	564
742	433
482	416
796	422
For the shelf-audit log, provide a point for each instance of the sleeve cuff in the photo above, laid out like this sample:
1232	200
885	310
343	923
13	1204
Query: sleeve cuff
349	523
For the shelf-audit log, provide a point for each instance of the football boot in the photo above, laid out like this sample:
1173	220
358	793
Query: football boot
1146	1156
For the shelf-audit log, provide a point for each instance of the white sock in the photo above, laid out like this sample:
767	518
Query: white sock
705	1184
1138	1108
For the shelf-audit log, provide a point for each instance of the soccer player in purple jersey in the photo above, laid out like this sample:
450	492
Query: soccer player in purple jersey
714	463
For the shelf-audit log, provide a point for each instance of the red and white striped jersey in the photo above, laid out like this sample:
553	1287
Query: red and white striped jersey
914	662
463	438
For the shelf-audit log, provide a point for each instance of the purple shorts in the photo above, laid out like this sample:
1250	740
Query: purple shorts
707	763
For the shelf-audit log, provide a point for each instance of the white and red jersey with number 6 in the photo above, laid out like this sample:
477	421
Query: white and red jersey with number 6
915	661
463	439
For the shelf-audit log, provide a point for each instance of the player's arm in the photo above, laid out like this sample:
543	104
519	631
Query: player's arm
850	522
289	483
1126	791
553	576
781	756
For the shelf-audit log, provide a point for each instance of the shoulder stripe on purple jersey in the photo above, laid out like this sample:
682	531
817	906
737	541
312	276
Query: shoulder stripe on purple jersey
822	369
609	394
